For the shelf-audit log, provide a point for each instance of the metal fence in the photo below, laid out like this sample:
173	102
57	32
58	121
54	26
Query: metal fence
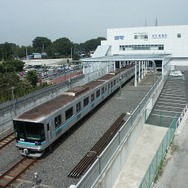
159	156
96	170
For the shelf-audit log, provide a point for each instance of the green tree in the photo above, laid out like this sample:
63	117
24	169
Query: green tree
8	83
12	65
21	51
40	44
8	51
62	47
24	88
91	45
32	77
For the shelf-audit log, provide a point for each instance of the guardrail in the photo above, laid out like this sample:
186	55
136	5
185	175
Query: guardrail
97	169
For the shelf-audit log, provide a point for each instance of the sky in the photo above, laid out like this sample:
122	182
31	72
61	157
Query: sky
21	21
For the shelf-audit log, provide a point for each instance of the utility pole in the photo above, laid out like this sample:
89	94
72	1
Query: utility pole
71	53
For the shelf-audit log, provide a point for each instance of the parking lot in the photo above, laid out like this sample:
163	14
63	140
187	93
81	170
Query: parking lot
48	73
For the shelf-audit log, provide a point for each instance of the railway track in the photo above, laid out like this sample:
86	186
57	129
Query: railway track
91	156
12	174
6	140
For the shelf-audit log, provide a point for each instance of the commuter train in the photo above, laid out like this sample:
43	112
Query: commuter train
38	128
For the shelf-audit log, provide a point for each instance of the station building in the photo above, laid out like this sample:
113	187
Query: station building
167	46
148	40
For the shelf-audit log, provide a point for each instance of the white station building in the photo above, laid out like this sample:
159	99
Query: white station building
148	40
167	46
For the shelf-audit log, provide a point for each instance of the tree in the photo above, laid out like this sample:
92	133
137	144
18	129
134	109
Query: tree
21	51
91	45
32	77
40	44
62	47
8	51
8	82
11	66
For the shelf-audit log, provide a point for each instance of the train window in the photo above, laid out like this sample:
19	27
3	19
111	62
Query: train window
86	101
98	93
57	121
48	127
92	97
78	107
114	82
111	84
68	113
103	90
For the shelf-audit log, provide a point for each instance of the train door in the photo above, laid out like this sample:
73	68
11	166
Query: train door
49	132
108	88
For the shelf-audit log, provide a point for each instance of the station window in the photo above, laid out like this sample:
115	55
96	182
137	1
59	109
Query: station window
161	47
92	97
86	101
179	35
78	107
141	36
68	113
57	121
98	93
145	36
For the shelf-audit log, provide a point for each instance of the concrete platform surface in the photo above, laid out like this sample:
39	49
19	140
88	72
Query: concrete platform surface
140	157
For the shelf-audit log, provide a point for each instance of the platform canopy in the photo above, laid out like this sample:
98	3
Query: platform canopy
127	57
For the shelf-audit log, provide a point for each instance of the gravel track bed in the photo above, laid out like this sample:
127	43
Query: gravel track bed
54	168
8	156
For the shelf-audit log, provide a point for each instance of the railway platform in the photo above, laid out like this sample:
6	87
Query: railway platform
143	152
140	157
151	137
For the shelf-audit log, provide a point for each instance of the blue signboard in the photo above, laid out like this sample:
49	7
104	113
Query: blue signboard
121	37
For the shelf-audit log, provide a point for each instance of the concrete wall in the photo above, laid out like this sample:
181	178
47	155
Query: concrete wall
15	107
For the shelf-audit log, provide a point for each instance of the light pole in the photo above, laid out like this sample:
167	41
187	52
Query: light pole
71	53
12	92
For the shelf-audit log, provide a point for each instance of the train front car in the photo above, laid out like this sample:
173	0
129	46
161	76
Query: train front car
30	138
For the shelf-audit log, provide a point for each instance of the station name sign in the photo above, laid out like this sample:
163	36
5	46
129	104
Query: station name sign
159	36
121	37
